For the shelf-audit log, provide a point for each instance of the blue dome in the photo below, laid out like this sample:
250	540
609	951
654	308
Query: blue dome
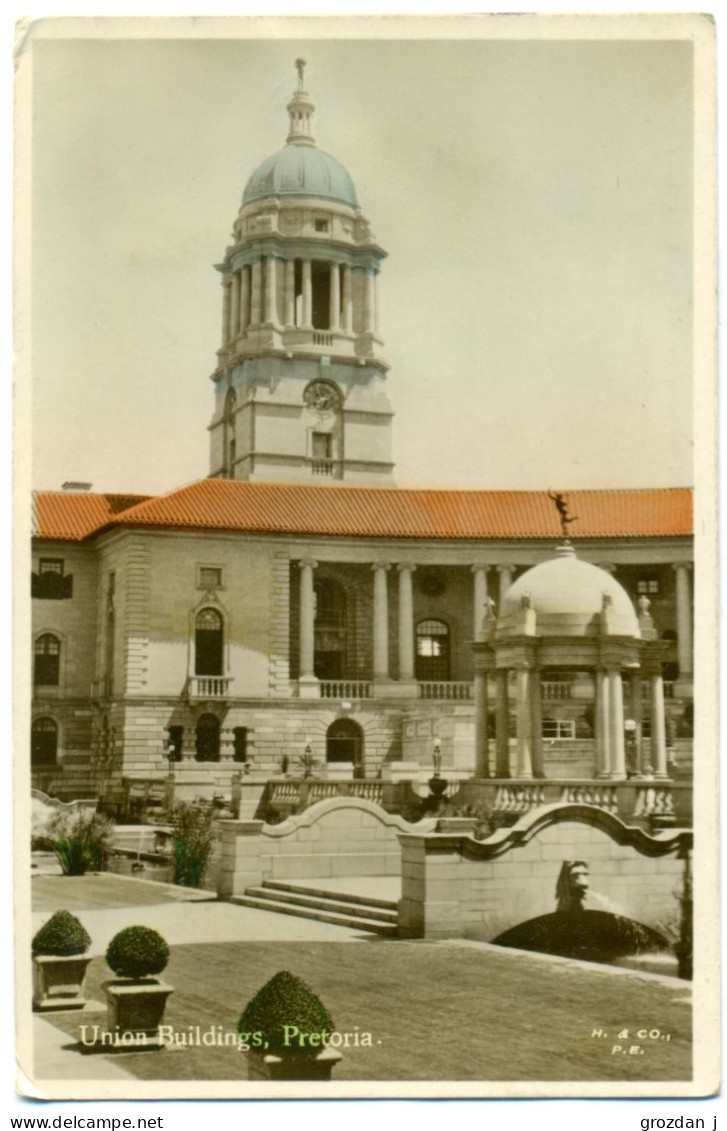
301	170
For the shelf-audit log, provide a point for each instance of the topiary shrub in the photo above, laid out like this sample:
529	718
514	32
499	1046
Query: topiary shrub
137	952
62	936
286	1000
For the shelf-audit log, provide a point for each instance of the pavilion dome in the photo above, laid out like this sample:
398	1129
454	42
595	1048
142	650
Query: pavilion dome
301	170
568	598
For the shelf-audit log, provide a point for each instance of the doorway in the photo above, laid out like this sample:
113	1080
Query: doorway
344	743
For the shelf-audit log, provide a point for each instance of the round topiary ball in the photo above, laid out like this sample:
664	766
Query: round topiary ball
137	952
286	1001
63	936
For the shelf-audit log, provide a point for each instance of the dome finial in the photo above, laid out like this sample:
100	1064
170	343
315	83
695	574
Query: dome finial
300	111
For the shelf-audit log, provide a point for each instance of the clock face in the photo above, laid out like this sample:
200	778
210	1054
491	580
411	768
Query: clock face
322	398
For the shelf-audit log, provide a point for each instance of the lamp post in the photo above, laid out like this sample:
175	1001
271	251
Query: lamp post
630	748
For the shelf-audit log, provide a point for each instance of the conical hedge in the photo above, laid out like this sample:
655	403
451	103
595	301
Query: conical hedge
63	936
286	1000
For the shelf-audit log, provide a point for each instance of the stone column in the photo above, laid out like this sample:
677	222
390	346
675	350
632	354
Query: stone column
376	303
658	726
369	303
636	712
505	573
603	741
502	724
307	295
257	293
616	724
536	715
235	305
482	758
524	724
270	289
406	623
381	622
290	292
347	299
244	298
479	574
307	622
684	621
226	307
335	301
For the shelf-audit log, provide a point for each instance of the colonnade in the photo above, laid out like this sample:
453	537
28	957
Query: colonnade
250	297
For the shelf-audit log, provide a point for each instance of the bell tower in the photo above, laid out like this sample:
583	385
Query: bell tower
300	384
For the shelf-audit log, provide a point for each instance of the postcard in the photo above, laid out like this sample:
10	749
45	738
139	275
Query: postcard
366	399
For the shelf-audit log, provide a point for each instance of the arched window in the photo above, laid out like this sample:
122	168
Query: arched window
47	666
432	658
207	739
208	643
43	742
344	743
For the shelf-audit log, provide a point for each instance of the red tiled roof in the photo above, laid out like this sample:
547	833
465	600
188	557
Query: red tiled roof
375	512
72	516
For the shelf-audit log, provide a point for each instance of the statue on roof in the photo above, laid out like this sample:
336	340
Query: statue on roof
561	505
300	68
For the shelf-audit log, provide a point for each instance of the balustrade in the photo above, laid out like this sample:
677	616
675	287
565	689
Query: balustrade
209	686
345	689
446	689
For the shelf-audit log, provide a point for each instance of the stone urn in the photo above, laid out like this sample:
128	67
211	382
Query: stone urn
58	981
267	1066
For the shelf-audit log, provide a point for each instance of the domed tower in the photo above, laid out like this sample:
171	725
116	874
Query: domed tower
300	386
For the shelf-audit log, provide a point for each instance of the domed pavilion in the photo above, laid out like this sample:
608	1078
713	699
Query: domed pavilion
569	616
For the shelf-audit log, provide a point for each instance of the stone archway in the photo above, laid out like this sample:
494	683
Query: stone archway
345	743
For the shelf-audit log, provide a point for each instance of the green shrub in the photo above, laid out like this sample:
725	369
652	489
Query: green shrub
193	835
137	952
286	1000
63	935
81	841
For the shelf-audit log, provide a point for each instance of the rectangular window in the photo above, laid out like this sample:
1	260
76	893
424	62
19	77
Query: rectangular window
240	739
322	445
647	586
210	577
50	583
321	225
559	728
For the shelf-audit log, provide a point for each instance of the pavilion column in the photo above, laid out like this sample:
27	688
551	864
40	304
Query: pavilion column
307	295
307	624
482	757
335	302
369	302
406	622
226	308
290	292
381	621
603	744
502	724
347	299
636	712
235	305
616	724
244	298
257	293
524	723
505	573
658	726
536	715
270	288
479	594
684	621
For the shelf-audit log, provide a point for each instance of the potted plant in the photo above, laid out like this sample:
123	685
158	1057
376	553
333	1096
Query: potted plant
60	963
286	1029
136	1003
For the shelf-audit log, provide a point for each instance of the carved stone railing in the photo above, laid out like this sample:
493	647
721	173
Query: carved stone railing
208	686
345	689
298	794
590	793
555	690
654	801
446	689
514	798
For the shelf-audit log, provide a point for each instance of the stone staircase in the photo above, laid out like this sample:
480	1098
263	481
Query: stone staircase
377	916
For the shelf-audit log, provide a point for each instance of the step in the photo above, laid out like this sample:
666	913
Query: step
339	905
357	923
326	893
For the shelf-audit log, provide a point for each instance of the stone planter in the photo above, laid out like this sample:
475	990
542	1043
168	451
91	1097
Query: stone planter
58	981
266	1066
134	1011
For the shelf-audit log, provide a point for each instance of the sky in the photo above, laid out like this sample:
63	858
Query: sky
535	198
